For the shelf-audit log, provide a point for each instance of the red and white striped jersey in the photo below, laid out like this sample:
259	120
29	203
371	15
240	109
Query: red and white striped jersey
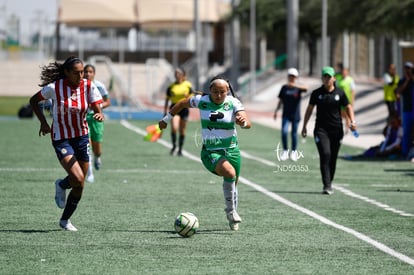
69	107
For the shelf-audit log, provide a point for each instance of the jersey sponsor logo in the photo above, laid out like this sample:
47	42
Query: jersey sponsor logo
215	115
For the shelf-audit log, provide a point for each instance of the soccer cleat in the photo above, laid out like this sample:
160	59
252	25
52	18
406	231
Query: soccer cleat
90	178
67	225
60	195
97	163
327	191
172	150
179	153
234	220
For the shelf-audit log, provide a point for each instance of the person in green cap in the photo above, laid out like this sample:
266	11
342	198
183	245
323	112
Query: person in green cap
328	132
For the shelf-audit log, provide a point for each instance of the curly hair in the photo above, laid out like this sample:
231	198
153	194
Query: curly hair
54	70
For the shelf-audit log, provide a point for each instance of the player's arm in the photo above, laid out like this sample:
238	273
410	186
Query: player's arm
180	105
279	105
34	102
308	114
167	99
97	111
350	113
243	120
106	102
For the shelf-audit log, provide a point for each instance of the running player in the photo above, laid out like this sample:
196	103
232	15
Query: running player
220	154
71	95
96	128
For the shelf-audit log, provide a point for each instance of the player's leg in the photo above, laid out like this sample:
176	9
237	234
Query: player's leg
97	140
294	154
335	144
324	149
229	169
285	132
182	128
217	163
91	124
76	166
174	127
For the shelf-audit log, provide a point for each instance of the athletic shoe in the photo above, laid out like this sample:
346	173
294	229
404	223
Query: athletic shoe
294	155
67	225
172	150
60	195
90	178
179	153
327	191
97	163
285	155
234	220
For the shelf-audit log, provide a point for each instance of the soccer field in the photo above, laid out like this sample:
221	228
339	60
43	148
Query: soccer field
126	218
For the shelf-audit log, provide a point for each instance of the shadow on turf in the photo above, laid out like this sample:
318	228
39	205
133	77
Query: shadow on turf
398	190
291	192
171	232
28	231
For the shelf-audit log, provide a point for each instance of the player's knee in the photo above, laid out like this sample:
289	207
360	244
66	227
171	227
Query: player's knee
229	173
76	181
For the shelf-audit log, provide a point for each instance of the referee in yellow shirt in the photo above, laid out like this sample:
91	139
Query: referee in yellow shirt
176	91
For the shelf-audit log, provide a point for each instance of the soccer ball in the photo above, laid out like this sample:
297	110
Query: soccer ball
186	224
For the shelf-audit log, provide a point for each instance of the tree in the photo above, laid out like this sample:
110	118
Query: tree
369	17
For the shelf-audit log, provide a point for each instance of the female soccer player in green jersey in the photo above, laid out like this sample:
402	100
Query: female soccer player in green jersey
220	111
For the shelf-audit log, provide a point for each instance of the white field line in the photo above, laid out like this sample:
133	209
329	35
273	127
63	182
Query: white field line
143	170
343	190
295	206
371	201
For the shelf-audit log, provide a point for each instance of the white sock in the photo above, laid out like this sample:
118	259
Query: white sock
90	169
229	195
236	197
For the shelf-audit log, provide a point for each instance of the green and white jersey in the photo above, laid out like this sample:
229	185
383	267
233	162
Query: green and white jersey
102	90
218	130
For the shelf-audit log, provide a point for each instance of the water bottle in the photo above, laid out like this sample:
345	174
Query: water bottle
355	133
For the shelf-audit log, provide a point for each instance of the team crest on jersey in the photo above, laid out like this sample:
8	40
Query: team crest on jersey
63	151
226	106
336	97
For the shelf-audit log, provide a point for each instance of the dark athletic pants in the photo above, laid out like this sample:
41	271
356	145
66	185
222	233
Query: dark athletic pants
328	143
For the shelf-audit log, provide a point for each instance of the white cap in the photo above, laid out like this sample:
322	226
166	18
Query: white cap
408	64
293	71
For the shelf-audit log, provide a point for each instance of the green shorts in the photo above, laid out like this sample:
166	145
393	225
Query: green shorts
96	128
211	158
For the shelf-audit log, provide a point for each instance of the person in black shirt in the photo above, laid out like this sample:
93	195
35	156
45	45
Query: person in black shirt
328	131
290	97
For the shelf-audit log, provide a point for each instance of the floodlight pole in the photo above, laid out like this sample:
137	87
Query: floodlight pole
197	28
252	47
235	47
324	33
292	33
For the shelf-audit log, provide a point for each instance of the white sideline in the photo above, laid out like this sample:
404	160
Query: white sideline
284	201
371	201
341	189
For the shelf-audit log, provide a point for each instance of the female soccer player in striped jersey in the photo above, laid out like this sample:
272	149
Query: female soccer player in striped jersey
71	95
219	112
